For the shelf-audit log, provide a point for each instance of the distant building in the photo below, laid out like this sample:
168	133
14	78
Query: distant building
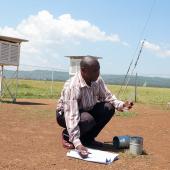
9	56
75	63
10	50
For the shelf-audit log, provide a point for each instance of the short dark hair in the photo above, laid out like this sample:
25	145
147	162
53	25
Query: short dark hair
88	61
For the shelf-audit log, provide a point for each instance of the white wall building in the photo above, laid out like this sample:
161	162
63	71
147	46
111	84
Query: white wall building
75	63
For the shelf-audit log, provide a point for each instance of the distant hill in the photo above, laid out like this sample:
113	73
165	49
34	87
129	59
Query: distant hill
39	75
109	79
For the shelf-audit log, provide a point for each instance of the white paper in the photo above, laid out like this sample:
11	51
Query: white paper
95	156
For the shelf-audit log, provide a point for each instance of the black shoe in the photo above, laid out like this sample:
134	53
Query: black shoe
65	141
93	144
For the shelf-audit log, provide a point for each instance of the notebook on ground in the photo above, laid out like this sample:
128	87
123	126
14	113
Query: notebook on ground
95	156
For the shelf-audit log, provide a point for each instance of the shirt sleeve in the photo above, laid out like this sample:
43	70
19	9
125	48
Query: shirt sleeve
72	116
60	102
107	96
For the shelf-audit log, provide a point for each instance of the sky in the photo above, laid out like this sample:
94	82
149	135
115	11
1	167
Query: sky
111	29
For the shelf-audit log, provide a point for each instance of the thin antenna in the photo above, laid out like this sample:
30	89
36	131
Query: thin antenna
140	51
125	78
141	35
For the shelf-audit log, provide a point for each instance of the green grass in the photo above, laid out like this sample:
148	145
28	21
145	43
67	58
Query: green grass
154	95
45	89
145	95
126	114
38	89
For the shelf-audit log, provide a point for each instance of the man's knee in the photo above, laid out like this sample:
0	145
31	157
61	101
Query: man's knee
109	108
60	119
87	122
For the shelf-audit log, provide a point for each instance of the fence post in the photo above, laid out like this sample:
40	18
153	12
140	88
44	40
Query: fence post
14	98
1	81
136	87
52	79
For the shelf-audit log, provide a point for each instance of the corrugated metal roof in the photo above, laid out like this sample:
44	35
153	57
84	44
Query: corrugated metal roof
80	57
12	39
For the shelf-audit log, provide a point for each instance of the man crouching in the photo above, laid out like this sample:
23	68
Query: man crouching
85	107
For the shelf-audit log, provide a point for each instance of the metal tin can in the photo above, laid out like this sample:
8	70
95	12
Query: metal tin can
121	142
136	145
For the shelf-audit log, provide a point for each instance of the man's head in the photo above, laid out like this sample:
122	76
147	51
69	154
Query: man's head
90	69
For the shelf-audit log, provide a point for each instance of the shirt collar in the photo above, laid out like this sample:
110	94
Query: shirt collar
83	82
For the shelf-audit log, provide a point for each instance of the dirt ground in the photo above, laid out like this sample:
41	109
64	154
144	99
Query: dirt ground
31	139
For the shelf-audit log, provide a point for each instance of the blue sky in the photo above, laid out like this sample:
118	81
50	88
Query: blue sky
110	29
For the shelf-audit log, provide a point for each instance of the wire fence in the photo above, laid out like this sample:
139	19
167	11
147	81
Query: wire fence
42	82
32	82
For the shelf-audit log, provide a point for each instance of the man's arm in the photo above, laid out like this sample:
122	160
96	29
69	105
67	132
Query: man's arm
72	116
106	95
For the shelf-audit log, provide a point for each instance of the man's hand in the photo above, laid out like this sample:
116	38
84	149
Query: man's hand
83	152
126	106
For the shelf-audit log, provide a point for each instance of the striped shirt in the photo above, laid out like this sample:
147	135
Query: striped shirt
77	95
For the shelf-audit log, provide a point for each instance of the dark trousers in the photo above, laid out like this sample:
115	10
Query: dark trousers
91	122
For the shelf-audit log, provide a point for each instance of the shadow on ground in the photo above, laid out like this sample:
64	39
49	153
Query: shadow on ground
23	102
110	148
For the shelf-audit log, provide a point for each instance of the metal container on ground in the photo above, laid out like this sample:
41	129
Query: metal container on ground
136	145
121	142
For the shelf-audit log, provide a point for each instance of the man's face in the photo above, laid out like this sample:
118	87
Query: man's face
92	73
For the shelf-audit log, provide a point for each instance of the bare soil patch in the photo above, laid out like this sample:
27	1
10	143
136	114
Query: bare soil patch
31	139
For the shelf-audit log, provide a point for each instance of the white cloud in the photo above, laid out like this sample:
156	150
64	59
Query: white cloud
48	36
156	49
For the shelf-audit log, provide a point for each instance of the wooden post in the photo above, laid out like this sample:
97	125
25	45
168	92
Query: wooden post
136	87
15	98
1	81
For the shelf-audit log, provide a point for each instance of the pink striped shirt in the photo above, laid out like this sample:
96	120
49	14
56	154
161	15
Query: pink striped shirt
77	95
